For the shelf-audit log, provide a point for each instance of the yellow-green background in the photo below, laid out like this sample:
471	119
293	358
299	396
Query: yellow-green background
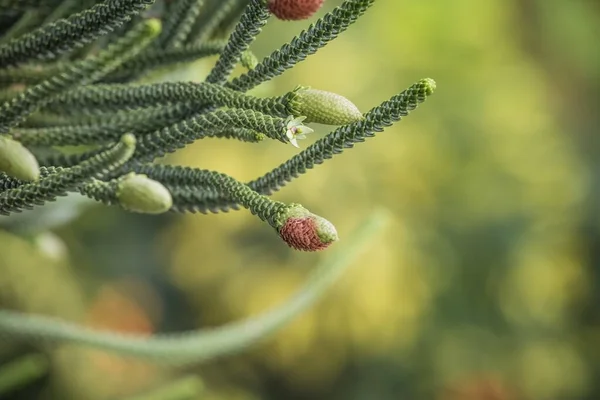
486	281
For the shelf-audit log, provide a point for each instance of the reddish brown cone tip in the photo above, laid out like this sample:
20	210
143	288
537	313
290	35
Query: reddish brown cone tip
294	10
308	232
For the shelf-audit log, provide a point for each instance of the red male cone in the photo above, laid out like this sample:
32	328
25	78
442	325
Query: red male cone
294	9
303	230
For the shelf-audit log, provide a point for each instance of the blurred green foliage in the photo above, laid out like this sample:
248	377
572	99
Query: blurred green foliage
486	284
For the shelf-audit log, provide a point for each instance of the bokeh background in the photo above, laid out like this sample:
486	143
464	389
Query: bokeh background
484	286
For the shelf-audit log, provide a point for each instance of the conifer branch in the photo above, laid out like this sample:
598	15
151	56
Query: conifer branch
61	36
101	129
313	235
89	70
334	143
171	138
254	18
148	60
66	104
179	23
346	136
176	136
57	95
205	26
117	97
58	184
303	45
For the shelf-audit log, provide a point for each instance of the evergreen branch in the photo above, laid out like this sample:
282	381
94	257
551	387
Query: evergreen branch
266	209
241	134
28	74
334	143
169	139
303	45
207	344
298	227
154	59
87	117
140	122
9	182
254	18
61	36
89	70
132	192
179	23
58	184
120	96
102	129
231	18
101	191
205	26
188	199
344	137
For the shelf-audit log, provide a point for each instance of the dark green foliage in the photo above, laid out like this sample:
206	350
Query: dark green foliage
67	100
243	35
179	23
209	199
303	45
68	179
80	73
63	35
64	84
117	97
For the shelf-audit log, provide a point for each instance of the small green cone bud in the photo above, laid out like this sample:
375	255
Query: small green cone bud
248	60
153	26
325	107
138	193
16	161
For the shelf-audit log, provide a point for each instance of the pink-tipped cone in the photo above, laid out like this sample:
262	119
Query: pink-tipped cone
294	10
306	231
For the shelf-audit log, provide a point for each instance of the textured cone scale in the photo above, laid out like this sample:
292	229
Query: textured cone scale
308	232
327	107
294	9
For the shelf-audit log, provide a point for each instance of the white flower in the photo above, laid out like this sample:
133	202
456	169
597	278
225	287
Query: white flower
295	130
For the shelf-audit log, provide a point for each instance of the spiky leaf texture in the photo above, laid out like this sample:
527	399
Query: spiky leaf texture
93	97
51	40
75	73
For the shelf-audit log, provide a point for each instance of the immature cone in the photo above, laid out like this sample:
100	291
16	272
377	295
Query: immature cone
138	193
17	161
303	230
325	107
294	9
